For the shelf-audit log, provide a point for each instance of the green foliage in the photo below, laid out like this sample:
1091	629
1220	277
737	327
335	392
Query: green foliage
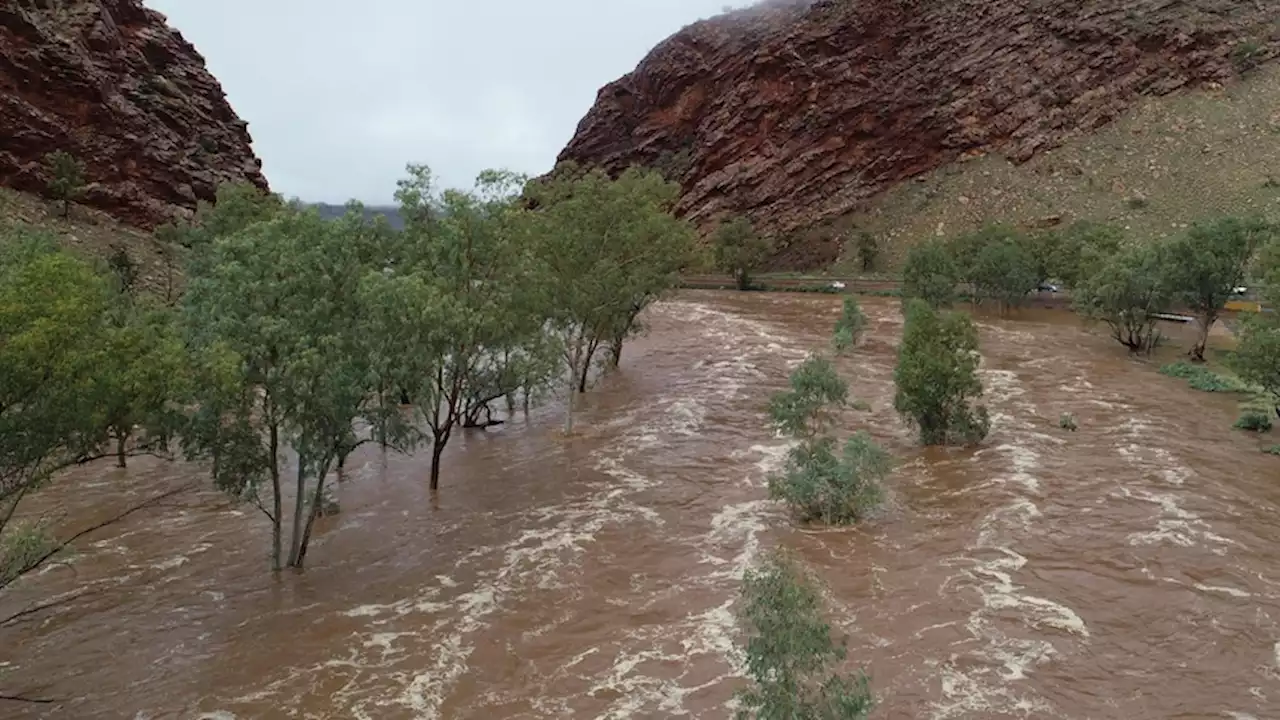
816	392
1126	294
937	377
1254	420
791	658
739	249
1003	270
22	547
1257	357
1272	450
930	274
1247	55
145	370
1203	379
821	486
271	316
850	326
66	178
1079	251
868	249
1067	421
604	250
1204	265
52	310
124	269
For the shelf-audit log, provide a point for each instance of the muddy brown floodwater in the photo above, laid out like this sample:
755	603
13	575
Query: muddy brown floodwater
1127	570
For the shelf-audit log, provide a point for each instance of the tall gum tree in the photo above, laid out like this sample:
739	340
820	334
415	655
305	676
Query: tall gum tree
607	249
1204	266
459	303
271	311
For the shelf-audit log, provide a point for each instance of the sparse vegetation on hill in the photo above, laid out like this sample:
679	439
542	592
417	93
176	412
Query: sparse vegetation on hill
1202	153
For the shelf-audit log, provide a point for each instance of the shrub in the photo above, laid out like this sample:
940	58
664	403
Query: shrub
850	326
66	178
1273	450
790	656
1067	421
937	377
1202	378
1254	420
823	487
804	410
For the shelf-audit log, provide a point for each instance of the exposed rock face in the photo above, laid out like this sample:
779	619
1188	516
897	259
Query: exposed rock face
795	112
111	83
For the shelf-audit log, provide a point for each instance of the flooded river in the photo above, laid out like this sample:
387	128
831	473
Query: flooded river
1128	570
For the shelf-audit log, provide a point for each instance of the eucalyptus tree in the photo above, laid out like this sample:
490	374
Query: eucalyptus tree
460	310
937	377
279	341
1127	294
739	250
607	250
52	309
1204	266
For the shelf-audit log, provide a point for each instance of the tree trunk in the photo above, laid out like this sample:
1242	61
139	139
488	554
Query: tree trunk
276	500
568	403
743	279
615	352
437	449
1202	338
316	499
299	507
121	440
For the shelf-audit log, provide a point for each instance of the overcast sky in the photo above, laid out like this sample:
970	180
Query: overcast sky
340	95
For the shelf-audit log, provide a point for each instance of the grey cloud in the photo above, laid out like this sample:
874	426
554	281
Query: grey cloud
339	96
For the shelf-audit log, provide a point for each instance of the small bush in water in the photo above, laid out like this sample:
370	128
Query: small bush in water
805	409
1068	422
790	656
1273	450
850	326
1254	421
821	486
937	377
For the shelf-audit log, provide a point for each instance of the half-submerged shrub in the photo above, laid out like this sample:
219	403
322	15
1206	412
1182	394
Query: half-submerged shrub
937	377
1254	420
791	658
850	327
836	489
1067	421
816	390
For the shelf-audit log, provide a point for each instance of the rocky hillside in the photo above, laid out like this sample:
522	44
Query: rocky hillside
110	82
799	114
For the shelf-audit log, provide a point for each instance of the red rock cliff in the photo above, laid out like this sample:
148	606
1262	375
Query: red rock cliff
110	82
797	112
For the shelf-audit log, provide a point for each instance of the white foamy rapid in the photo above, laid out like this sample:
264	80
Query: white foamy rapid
423	644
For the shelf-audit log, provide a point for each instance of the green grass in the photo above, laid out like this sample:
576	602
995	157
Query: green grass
1203	379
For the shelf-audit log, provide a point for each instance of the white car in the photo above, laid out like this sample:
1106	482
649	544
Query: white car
836	285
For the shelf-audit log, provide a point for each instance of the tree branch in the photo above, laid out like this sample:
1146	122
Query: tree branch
5	582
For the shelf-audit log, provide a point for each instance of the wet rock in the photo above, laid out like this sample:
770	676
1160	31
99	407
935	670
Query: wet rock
797	112
110	82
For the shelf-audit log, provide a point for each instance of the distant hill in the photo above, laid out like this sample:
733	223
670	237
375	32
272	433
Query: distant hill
390	212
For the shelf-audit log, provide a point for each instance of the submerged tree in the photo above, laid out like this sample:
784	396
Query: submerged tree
822	485
605	249
272	317
1128	294
1257	357
791	658
849	327
52	309
739	249
1004	270
1204	266
937	377
816	391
